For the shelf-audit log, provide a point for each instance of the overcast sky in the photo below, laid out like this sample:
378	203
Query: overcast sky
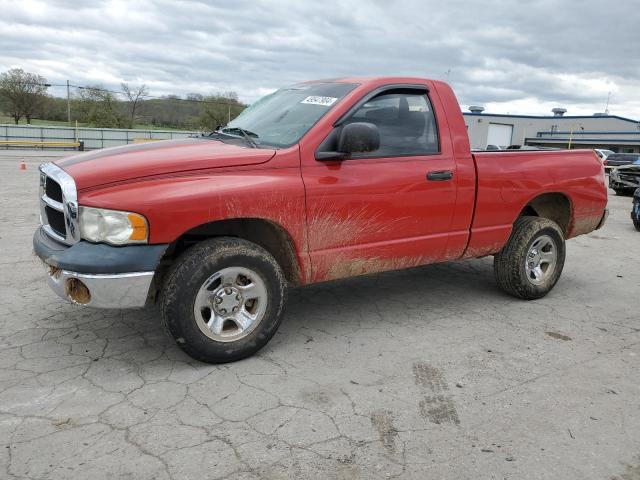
510	56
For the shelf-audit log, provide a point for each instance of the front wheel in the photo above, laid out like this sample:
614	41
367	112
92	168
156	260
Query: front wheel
223	299
531	262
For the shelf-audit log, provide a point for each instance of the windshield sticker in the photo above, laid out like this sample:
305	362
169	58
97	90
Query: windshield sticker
315	100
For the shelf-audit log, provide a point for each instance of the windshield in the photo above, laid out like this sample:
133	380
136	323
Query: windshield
283	117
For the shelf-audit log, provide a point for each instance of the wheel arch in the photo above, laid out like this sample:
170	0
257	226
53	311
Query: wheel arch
554	206
272	237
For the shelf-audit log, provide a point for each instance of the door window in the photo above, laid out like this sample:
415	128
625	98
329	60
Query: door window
405	121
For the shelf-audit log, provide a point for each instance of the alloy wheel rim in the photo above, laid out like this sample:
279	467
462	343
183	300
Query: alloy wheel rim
230	304
541	259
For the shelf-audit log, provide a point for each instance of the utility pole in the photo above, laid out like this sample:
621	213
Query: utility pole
68	105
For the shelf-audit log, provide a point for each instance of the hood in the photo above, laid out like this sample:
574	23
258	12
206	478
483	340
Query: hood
619	161
632	168
117	164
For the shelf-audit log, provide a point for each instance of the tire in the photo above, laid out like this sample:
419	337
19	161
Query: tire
515	274
215	275
621	192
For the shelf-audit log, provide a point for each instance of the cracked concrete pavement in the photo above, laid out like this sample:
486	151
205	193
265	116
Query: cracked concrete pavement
430	372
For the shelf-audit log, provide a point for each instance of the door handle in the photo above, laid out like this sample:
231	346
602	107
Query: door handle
440	175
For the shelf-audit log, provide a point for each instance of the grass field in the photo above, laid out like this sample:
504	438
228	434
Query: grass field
35	121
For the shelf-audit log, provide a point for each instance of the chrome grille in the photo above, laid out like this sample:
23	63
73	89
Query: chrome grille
55	219
58	204
53	190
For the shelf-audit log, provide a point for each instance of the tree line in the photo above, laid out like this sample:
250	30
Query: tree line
24	95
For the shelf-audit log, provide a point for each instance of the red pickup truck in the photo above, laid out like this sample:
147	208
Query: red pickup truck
315	182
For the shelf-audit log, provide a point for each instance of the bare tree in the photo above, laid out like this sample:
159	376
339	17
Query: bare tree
134	97
24	93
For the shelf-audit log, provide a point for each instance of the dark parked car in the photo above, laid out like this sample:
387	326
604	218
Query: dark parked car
635	210
625	178
618	159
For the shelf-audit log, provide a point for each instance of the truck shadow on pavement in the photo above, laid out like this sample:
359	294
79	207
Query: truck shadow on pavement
404	297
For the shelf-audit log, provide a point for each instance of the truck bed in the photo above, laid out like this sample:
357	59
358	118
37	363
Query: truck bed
509	179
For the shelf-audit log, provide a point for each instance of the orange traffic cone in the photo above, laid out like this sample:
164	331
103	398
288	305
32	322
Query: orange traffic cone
23	166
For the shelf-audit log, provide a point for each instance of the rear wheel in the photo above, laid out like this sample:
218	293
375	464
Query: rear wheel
622	192
223	299
531	262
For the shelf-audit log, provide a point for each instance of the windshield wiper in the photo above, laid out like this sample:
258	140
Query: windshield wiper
246	134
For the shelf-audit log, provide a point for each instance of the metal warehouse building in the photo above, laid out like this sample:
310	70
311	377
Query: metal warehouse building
612	132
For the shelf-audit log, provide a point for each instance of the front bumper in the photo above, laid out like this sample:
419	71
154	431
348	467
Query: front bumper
623	180
120	290
99	275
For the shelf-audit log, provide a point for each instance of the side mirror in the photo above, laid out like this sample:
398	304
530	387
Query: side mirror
357	137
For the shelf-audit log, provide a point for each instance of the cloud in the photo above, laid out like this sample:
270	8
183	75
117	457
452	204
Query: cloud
517	56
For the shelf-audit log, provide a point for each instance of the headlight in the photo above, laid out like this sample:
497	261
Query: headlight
112	226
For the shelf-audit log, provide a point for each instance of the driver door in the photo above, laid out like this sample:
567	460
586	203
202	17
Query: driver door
388	209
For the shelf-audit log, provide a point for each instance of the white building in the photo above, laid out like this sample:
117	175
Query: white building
598	131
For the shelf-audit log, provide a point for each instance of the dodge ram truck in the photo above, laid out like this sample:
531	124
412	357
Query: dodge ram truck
318	181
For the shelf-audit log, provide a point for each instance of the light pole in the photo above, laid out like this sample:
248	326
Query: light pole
68	105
